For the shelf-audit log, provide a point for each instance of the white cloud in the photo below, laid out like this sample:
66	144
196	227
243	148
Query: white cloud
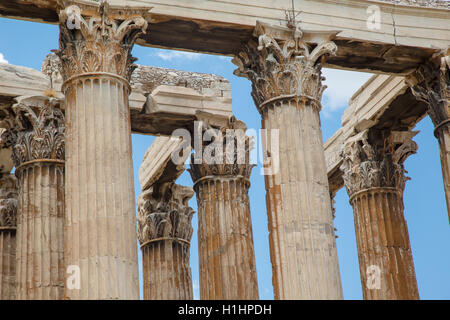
169	55
2	59
182	55
341	85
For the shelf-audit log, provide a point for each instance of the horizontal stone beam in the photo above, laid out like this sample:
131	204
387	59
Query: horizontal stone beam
157	166
161	101
408	33
383	102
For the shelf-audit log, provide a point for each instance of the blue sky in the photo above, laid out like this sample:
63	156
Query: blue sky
26	44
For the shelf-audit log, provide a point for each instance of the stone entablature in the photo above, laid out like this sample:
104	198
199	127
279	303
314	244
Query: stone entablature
444	4
407	36
165	109
144	80
169	104
147	78
157	165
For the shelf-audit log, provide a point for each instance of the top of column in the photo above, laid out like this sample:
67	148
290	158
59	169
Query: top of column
35	130
285	63
374	159
430	83
222	151
99	38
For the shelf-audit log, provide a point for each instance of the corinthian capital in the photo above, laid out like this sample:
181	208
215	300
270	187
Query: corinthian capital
284	63
376	164
164	213
431	84
34	129
223	151
8	201
99	38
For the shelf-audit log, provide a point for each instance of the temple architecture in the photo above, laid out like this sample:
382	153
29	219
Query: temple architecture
69	226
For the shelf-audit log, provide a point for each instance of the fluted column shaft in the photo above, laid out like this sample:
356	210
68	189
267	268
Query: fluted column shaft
301	231
431	85
40	227
374	177
166	271
35	132
221	170
384	251
101	223
96	65
443	136
226	253
285	71
7	263
8	227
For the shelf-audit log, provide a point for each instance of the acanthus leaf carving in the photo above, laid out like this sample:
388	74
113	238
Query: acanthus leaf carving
370	165
101	42
283	68
35	129
431	85
225	154
164	213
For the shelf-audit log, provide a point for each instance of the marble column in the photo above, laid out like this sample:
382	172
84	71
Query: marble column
95	52
285	71
221	176
164	232
8	226
431	84
374	177
36	133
